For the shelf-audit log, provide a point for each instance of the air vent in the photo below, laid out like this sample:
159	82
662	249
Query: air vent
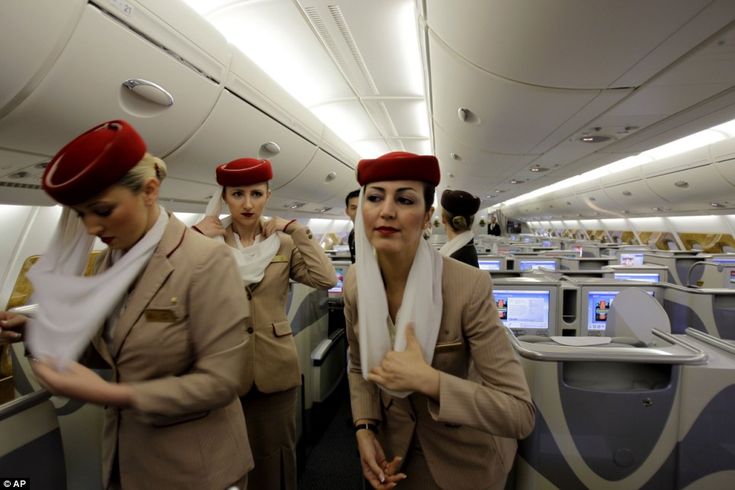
19	185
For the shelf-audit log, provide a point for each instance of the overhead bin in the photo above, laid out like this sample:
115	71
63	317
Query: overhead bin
634	197
177	27
697	184
25	52
324	179
236	129
85	86
248	81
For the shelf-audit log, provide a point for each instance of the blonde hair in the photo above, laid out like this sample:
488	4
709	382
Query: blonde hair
458	223
149	167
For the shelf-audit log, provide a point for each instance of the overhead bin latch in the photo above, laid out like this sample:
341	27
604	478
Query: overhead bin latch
150	91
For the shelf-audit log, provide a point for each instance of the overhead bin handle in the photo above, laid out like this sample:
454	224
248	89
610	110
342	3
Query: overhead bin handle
150	91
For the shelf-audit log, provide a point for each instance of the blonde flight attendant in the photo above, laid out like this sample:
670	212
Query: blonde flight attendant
164	310
438	397
269	253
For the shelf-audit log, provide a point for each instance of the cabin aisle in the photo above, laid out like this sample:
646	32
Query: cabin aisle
332	462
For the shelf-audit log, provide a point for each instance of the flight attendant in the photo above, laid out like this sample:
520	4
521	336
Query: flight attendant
165	311
438	397
493	228
458	214
269	253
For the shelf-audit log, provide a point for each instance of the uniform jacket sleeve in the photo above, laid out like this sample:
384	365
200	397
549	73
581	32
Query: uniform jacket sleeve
309	264
496	399
216	314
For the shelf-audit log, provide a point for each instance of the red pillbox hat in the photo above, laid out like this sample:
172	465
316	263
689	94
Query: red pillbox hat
92	162
244	171
399	165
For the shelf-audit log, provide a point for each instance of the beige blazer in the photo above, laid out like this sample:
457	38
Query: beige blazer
272	359
469	436
180	343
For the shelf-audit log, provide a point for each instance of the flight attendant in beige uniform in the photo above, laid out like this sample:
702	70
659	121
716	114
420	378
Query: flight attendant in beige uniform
269	253
172	312
438	397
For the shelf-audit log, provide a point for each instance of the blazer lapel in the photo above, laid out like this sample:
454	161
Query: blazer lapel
148	284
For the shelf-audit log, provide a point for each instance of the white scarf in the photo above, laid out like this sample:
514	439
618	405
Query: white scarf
72	307
456	243
251	260
421	304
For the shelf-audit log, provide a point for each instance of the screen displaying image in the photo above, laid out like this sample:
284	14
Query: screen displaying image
631	259
489	265
523	309
732	276
526	265
637	276
578	250
598	307
341	271
546	243
723	261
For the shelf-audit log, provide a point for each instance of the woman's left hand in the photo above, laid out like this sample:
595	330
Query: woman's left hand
407	370
273	225
81	383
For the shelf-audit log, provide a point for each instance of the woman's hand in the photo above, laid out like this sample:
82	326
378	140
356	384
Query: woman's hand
211	226
407	370
375	468
273	225
81	383
12	327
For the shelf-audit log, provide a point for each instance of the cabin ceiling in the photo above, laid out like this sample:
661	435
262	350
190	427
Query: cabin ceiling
533	78
500	90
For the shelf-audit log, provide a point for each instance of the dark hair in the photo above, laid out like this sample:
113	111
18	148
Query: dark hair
429	191
351	195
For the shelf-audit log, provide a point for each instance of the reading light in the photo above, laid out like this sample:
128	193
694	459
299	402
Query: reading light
594	138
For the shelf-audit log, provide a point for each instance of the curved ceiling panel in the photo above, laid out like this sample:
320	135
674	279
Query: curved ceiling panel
505	117
595	42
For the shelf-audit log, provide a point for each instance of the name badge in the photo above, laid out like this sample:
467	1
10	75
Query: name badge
279	258
167	316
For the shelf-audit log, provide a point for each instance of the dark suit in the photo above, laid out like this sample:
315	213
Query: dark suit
351	243
467	254
493	229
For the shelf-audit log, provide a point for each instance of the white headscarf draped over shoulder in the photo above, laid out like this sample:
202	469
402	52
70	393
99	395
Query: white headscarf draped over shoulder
73	307
422	302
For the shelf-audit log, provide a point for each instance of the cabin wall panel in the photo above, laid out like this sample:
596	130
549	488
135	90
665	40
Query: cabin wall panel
30	229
